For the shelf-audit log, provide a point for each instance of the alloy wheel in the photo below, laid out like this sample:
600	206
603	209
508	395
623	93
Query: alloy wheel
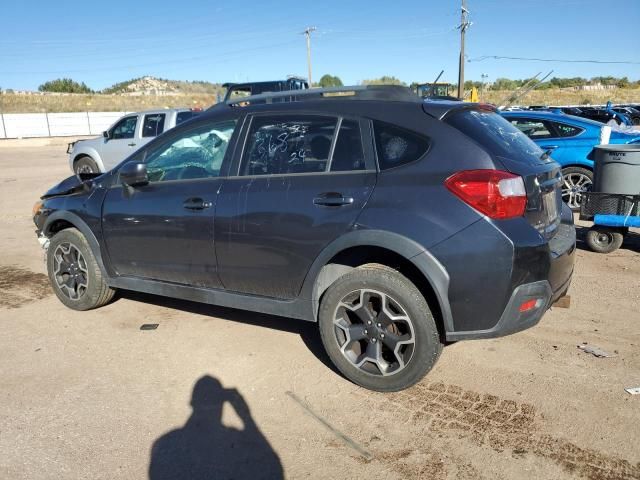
70	271
374	332
575	184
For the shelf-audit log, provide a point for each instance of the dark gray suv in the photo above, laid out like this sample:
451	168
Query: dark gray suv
397	224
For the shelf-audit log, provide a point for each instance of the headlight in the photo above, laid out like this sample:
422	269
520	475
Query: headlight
36	208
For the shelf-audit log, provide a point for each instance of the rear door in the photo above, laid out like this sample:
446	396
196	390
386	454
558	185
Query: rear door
301	181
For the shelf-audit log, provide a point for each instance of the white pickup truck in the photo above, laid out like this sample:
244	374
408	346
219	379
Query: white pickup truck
123	138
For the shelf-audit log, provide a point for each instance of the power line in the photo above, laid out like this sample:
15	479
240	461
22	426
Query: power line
497	57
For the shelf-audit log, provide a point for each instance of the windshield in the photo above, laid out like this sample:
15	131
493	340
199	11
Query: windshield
496	135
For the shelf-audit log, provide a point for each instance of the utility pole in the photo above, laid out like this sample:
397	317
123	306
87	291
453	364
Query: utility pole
308	31
484	77
464	24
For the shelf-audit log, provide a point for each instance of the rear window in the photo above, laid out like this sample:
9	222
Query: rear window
396	146
153	125
496	135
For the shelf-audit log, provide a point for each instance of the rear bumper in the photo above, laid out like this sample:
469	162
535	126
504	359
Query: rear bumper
485	298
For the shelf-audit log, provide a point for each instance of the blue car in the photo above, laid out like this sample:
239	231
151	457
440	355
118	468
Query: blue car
570	141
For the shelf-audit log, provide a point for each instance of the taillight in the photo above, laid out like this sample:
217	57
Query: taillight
496	193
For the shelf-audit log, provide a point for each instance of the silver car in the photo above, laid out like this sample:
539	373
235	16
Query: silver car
122	138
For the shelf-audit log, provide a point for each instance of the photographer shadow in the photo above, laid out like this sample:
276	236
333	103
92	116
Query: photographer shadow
204	448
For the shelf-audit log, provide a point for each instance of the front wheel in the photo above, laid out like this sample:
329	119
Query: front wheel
604	239
85	165
576	181
378	329
74	273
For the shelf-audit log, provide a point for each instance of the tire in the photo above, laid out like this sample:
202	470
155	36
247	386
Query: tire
576	181
635	120
85	164
408	345
604	239
71	262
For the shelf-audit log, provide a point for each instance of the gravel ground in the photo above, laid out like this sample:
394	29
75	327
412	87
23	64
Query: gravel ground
90	395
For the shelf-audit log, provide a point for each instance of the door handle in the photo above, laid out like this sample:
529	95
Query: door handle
332	199
196	204
131	144
550	147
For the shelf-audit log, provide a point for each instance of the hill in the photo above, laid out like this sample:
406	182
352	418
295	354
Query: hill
159	86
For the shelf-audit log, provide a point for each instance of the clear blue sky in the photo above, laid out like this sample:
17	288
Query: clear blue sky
101	43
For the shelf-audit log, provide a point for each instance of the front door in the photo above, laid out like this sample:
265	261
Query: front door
299	187
165	230
121	142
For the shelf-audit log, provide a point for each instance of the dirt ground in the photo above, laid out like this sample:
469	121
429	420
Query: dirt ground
90	395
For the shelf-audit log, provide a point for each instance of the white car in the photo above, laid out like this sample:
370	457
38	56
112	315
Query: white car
124	137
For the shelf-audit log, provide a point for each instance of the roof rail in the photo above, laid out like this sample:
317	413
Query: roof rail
358	92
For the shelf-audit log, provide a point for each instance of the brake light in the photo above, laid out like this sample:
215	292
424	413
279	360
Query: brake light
496	193
528	305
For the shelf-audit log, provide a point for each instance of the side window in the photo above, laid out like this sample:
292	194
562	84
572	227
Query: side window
282	144
183	116
348	154
534	129
153	125
565	130
125	128
396	146
195	153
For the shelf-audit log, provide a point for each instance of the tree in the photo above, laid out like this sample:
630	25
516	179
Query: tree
64	85
329	81
384	80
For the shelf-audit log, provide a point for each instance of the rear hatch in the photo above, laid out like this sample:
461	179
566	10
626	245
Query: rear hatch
519	155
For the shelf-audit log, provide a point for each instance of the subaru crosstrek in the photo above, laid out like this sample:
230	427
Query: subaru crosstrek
397	224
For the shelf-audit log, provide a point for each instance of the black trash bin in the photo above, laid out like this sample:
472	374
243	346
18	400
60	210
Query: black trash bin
617	169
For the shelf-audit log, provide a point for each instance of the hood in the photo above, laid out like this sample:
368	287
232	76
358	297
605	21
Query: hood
73	184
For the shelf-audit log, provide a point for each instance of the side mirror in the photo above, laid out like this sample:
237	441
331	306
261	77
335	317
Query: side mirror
105	134
134	174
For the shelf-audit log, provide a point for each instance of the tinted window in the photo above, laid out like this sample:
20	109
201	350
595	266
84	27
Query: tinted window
196	153
125	128
532	128
495	134
565	130
183	116
288	144
153	125
348	154
396	146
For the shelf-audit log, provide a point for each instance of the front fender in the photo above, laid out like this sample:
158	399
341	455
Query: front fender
80	224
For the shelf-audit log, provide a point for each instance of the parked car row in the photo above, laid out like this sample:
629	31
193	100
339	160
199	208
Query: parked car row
620	114
370	211
570	141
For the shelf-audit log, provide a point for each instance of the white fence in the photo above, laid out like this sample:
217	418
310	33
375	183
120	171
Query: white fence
23	125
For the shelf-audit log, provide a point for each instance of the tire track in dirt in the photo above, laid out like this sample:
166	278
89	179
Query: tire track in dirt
499	424
19	286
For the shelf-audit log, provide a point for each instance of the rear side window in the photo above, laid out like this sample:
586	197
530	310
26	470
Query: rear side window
184	116
565	130
496	135
286	144
396	146
153	125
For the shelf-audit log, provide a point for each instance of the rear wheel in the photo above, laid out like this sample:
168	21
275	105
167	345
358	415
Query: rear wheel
74	273
85	165
604	239
576	181
378	329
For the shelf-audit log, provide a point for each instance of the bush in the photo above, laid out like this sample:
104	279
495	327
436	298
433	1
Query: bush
64	85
